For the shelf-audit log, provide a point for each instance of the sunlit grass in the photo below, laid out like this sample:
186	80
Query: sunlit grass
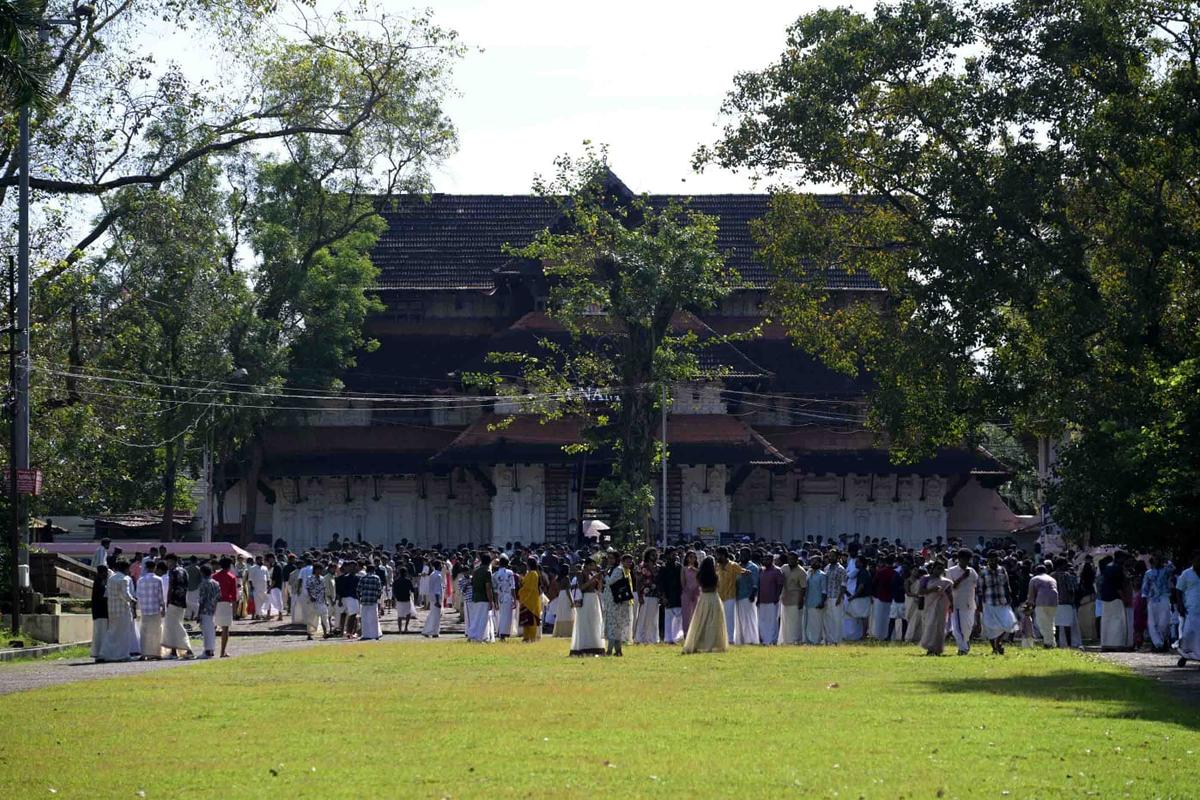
451	719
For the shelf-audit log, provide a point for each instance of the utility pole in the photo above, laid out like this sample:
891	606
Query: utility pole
14	498
662	511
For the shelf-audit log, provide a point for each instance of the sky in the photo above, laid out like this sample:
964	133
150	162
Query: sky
645	77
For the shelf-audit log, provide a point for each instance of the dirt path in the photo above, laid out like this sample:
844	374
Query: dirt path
34	674
1182	682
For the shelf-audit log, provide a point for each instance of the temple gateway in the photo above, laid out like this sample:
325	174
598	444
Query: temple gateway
773	448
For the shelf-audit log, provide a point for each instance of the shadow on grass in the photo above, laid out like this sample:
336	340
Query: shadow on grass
1102	694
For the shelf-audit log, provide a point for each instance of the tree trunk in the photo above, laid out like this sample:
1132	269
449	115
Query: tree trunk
168	487
218	493
250	493
635	427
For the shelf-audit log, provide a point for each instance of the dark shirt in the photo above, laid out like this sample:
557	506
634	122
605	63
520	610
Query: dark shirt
277	577
402	590
346	586
193	577
99	600
1112	581
177	587
670	584
885	578
481	579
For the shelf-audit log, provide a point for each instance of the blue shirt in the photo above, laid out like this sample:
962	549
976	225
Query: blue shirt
816	589
1156	584
747	582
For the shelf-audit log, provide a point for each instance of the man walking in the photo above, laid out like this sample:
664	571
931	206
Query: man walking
120	638
1156	590
964	580
1043	596
193	588
369	590
314	587
223	618
260	578
1066	619
999	619
1187	590
151	608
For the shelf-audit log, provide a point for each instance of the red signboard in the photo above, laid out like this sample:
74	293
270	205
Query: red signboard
29	481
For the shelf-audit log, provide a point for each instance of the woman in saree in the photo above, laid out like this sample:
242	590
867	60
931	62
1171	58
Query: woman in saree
936	591
529	595
618	613
707	633
587	638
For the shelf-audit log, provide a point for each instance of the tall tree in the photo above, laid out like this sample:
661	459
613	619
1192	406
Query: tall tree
1027	173
619	271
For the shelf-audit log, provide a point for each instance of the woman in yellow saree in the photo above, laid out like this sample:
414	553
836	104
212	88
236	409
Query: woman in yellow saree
530	598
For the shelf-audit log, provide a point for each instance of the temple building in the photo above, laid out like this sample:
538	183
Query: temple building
771	448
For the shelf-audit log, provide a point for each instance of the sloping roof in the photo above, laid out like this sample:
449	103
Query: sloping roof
821	451
525	335
304	451
692	438
453	241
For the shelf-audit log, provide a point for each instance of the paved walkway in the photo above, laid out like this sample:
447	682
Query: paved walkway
253	638
1182	682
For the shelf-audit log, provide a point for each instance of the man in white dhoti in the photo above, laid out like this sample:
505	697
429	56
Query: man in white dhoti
193	587
795	582
999	619
814	602
175	637
151	608
670	595
1114	591
483	602
370	589
727	580
835	598
504	587
274	604
770	591
1187	589
206	609
437	587
1156	590
314	588
746	630
259	577
121	604
964	580
1043	596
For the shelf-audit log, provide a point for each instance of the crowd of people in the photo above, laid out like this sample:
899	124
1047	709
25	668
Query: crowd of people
707	598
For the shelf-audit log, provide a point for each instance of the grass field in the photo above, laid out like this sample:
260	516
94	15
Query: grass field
450	719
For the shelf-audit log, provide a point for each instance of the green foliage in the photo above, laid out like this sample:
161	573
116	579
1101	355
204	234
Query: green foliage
1025	181
619	271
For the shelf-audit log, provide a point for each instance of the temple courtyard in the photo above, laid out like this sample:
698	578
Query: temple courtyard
424	718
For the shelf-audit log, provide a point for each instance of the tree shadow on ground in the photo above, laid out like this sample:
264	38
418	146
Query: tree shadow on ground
1103	694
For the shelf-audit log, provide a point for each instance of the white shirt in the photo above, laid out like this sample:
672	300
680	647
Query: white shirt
100	556
258	577
964	594
1188	585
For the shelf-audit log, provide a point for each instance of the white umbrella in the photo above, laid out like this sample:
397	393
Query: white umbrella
592	529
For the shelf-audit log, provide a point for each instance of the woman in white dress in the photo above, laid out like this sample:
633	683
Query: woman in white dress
564	612
707	633
587	638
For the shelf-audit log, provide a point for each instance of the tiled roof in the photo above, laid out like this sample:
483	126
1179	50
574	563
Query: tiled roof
445	241
692	438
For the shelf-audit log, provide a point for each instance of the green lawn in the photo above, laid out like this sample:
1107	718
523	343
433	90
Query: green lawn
450	719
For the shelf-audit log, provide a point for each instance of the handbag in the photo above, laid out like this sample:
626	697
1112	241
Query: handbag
622	592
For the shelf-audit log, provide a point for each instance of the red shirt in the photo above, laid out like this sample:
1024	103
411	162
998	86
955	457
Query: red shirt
228	583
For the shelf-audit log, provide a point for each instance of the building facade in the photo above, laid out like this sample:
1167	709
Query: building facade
773	448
